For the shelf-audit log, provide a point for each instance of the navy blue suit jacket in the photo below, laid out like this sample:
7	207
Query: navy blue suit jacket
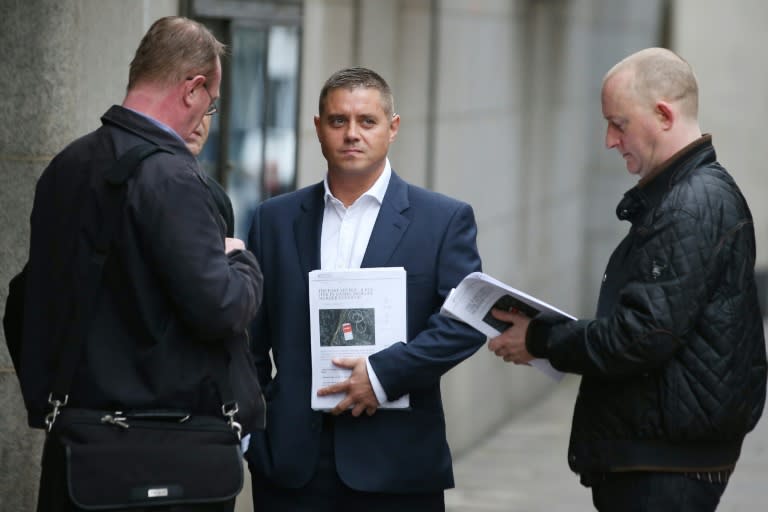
434	238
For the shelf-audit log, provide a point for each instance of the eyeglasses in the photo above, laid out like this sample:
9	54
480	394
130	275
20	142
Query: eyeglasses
213	107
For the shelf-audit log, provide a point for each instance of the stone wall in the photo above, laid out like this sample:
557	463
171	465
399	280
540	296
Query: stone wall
64	63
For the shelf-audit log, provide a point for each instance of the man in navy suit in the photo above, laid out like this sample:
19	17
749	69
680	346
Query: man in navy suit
358	457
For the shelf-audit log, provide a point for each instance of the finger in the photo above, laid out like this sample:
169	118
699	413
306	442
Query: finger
500	314
341	407
516	315
344	362
496	343
339	387
370	411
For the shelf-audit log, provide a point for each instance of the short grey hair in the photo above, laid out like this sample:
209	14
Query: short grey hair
174	48
659	73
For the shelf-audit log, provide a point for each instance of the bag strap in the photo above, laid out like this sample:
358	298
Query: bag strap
69	352
116	178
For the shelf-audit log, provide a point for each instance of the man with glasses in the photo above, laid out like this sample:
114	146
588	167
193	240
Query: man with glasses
174	289
214	106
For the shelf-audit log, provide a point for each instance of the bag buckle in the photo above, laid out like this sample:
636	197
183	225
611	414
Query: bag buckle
229	411
117	419
57	404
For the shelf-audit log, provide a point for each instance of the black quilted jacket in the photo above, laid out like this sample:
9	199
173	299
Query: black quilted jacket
674	365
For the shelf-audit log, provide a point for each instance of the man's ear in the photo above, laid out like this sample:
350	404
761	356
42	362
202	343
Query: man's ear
394	126
665	114
191	87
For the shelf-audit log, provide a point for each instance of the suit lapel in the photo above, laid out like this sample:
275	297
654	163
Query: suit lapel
307	228
390	225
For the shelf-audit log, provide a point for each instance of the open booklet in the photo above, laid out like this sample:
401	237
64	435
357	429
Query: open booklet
353	313
472	300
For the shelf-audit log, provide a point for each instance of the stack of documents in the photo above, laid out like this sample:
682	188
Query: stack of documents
478	293
353	313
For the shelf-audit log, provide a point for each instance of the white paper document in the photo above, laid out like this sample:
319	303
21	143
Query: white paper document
353	313
472	300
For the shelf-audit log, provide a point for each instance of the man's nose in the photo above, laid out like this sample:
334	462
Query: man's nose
352	131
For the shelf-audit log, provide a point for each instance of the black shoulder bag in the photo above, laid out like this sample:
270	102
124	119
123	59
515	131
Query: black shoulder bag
133	459
14	316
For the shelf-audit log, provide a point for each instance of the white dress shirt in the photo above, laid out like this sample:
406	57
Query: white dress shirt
345	235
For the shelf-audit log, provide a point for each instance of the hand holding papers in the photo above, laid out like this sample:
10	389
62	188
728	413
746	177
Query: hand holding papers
352	314
477	294
356	392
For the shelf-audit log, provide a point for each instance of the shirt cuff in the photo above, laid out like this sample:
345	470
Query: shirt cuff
378	390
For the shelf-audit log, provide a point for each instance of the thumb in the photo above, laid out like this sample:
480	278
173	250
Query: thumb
344	362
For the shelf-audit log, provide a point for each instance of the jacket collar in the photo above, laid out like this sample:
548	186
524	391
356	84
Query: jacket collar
307	228
650	190
390	225
138	125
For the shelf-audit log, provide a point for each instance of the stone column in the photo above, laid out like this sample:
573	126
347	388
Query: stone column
37	100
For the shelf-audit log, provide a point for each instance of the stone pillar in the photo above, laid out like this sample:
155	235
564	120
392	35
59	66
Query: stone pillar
64	63
37	99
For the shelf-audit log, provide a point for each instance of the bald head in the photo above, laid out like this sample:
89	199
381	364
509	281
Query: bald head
658	74
650	101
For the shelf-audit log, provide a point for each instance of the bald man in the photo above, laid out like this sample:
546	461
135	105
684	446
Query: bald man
674	365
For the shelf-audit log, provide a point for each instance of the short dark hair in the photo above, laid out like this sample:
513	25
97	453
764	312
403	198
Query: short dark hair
353	78
174	48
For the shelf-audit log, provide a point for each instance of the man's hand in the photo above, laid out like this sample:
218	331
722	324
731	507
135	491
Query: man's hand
232	244
359	393
510	345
